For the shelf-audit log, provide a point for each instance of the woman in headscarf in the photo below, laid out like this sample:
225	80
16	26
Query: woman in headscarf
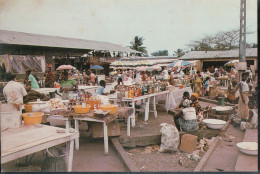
198	84
243	110
232	90
195	103
171	80
185	120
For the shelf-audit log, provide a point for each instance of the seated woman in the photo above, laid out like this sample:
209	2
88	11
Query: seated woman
195	103
232	92
185	120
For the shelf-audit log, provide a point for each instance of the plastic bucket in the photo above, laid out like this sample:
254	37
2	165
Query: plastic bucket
221	101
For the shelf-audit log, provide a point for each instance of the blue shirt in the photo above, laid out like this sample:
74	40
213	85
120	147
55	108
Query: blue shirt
206	84
100	91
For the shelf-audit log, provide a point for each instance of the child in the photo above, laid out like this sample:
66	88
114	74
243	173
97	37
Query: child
207	86
186	95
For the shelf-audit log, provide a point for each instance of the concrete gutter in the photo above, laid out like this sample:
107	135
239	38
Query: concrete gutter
212	148
127	162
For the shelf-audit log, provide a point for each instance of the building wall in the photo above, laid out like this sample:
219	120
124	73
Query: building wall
201	61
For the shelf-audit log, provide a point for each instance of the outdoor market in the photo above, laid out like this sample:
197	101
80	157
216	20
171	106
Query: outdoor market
75	105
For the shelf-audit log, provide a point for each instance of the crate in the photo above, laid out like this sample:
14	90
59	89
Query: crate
113	129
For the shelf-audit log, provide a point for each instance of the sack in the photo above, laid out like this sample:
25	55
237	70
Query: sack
170	138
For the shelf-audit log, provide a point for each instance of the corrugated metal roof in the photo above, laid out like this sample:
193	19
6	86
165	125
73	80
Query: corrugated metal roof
250	52
20	38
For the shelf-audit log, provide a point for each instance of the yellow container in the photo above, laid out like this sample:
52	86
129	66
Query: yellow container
32	117
109	107
28	107
79	110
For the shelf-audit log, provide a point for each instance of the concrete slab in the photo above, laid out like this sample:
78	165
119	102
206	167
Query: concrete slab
248	163
91	158
225	155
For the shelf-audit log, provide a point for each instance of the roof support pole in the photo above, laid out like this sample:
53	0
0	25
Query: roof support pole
242	39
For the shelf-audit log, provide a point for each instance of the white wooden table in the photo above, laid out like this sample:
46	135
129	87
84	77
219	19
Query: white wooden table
94	120
146	99
28	139
91	89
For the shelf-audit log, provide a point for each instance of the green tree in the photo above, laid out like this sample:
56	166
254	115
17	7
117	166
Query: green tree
137	43
160	53
179	52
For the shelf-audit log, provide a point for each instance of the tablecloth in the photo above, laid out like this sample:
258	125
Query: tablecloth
122	112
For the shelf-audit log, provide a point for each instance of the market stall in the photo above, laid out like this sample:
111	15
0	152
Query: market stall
28	139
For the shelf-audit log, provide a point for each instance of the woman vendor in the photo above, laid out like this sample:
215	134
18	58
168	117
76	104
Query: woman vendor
185	120
198	84
195	103
243	110
231	92
67	85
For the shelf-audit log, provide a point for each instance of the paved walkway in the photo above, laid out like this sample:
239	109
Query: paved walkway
226	153
248	163
91	158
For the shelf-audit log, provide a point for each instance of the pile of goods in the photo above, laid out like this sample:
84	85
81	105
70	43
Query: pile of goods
144	88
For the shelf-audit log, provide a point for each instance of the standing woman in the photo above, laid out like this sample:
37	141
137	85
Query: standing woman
198	85
243	110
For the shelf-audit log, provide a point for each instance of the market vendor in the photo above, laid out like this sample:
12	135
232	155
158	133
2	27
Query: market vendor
49	79
195	103
101	88
14	91
185	120
232	91
243	110
30	80
171	80
67	85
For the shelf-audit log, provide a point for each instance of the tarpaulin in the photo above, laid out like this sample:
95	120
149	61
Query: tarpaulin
19	64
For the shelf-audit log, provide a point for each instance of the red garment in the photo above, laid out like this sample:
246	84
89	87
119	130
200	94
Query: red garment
49	80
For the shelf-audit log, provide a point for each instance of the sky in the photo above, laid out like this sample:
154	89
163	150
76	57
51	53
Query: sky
164	24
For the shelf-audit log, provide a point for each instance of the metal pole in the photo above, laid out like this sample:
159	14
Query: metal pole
242	35
242	38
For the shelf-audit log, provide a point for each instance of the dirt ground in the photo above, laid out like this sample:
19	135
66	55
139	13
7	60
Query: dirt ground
154	161
149	159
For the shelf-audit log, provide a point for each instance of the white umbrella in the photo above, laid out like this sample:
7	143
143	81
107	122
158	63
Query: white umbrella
231	63
62	67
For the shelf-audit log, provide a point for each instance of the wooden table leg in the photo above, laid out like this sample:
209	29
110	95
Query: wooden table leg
69	154
147	109
133	115
154	107
128	126
67	124
105	139
77	139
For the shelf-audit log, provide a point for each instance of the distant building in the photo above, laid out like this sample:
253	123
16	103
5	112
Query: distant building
219	58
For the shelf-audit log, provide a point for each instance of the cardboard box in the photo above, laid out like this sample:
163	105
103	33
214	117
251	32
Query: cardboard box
113	129
10	117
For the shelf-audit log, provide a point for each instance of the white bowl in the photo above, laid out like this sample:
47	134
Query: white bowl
250	148
222	108
214	123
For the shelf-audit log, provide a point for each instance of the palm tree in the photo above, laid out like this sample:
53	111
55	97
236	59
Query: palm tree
137	44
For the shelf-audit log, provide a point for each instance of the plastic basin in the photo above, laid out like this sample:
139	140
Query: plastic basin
79	110
108	107
214	123
249	148
32	118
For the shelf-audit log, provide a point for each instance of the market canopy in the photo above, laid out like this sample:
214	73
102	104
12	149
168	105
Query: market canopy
133	63
98	67
179	63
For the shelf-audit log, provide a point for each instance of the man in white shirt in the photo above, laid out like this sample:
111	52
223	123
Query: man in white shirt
14	91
